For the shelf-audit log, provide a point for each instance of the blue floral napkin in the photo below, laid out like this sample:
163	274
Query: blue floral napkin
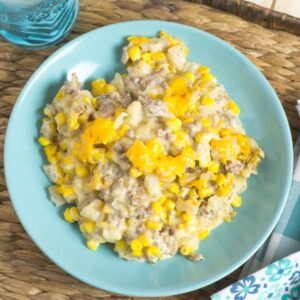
278	277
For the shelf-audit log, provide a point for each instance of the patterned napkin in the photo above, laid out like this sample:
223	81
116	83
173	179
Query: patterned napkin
276	279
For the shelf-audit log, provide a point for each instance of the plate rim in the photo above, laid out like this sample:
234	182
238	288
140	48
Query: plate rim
150	293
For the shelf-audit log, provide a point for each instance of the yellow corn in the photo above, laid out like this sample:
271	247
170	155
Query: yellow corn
174	124
155	225
135	172
44	141
203	234
156	207
73	122
174	188
66	190
136	246
59	95
88	227
94	103
144	240
71	214
106	209
68	160
207	101
109	88
190	76
237	201
120	246
134	53
186	217
169	204
81	171
99	155
203	70
213	167
92	244
221	179
109	155
152	251
60	118
206	122
224	190
158	56
98	86
228	219
123	129
205	192
185	250
234	107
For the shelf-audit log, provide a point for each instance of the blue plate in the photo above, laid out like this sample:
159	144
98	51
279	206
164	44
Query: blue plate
97	54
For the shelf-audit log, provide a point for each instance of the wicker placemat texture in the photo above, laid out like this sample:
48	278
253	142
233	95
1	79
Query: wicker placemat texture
25	273
257	14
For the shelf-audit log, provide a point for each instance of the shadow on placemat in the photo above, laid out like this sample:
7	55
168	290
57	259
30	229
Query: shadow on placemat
257	14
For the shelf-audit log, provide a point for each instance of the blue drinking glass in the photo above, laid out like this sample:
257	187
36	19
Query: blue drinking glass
37	24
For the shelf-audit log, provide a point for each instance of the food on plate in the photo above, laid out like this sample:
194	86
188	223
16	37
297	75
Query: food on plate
151	161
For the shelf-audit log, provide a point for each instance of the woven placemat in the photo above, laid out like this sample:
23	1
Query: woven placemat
25	273
257	14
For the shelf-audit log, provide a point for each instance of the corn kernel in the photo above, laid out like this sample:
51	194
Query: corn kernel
88	227
152	251
225	132
204	70
186	217
59	95
184	250
228	219
109	88
207	101
99	155
60	118
205	192
123	129
73	122
237	201
190	76
120	246
134	53
199	184
147	57
206	122
137	253
178	86
66	190
213	167
44	141
156	207
224	190
174	124
199	137
185	51
174	188
158	56
81	171
234	107
144	240
203	234
155	225
109	154
135	172
169	204
94	103
98	86
71	214
136	245
92	244
106	209
68	160
221	179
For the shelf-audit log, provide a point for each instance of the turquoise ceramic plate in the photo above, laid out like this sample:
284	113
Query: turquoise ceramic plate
98	54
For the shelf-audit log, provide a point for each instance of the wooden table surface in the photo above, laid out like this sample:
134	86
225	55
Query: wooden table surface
25	273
